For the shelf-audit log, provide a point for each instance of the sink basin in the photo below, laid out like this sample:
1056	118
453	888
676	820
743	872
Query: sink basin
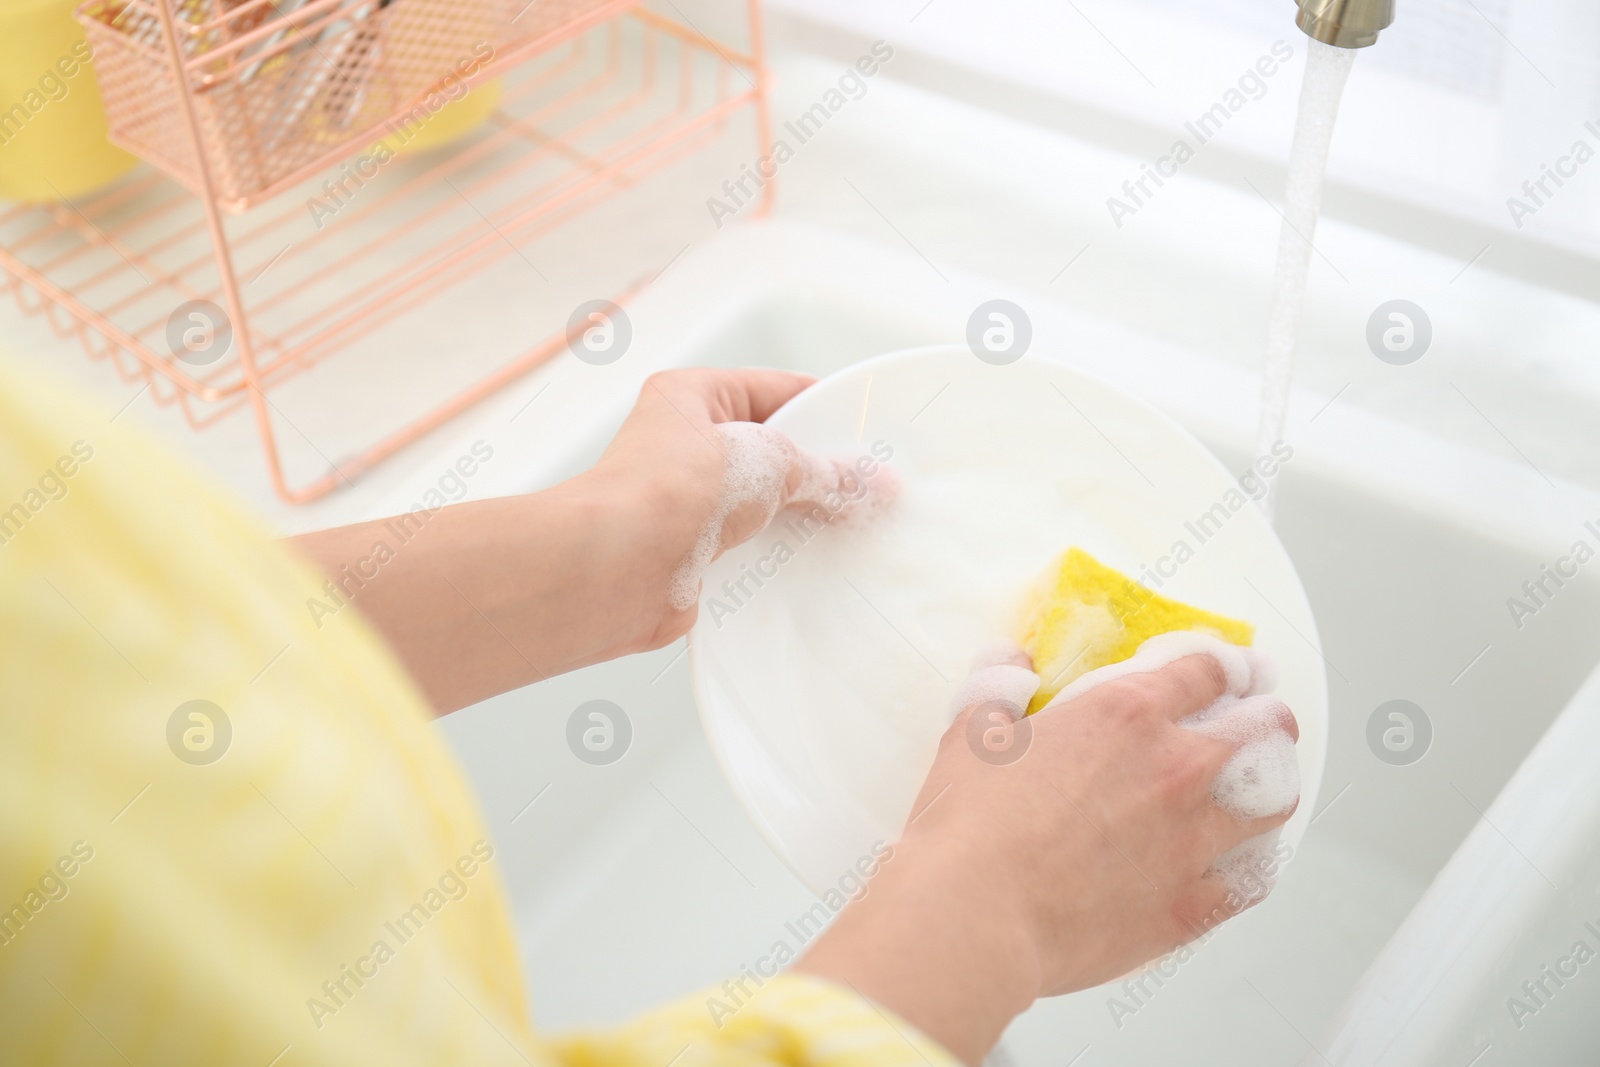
641	880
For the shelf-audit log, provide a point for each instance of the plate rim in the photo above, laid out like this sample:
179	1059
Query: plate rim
697	670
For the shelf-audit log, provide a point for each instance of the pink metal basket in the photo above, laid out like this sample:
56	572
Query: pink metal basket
283	88
594	97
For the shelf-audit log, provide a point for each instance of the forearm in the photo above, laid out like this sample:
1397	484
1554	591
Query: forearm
487	596
939	942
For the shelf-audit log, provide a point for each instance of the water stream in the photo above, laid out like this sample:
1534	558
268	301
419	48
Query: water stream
1327	69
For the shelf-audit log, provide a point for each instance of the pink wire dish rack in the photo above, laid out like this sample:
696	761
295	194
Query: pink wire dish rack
236	103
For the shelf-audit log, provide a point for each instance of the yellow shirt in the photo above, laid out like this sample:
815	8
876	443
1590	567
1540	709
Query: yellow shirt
230	837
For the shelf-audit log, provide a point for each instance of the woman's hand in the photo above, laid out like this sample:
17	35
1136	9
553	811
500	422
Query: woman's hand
492	595
706	478
1076	861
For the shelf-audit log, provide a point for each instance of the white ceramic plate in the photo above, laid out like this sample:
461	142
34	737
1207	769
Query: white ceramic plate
824	662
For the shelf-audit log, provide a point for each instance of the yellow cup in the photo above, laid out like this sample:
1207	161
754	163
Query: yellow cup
52	125
428	129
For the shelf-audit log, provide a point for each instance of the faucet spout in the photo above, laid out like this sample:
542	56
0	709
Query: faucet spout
1344	23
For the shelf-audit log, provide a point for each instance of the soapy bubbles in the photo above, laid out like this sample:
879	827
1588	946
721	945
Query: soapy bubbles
998	733
755	462
999	332
1399	732
1399	332
599	732
599	332
199	333
199	732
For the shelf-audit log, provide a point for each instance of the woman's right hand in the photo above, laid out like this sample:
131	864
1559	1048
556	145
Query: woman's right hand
1051	869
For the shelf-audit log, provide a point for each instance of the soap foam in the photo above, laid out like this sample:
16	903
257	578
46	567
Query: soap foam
1262	777
1249	671
755	466
997	651
1003	683
818	476
1249	870
756	462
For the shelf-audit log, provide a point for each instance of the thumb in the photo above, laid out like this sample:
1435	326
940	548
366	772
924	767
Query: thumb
765	472
836	487
1000	685
1002	673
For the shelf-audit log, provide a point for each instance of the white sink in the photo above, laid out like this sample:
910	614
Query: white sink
642	880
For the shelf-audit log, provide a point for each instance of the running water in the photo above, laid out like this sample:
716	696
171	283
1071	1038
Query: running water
1327	68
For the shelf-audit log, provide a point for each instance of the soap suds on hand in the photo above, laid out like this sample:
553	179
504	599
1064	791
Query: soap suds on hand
756	466
1249	671
1262	777
1000	684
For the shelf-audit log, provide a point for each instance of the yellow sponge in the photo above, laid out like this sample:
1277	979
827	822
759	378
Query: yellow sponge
1084	615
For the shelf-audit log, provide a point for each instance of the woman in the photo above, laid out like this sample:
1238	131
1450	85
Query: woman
231	835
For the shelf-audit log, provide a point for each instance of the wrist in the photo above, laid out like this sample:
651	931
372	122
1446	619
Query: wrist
939	943
643	528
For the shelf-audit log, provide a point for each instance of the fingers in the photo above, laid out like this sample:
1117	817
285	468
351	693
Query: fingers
1188	685
815	482
831	489
1002	677
716	396
1233	670
764	471
753	395
728	397
1004	684
998	690
1254	791
756	462
1261	777
1177	690
1224	831
1001	650
1241	721
1238	880
1249	870
1237	664
1248	756
1261	780
1245	870
1263	671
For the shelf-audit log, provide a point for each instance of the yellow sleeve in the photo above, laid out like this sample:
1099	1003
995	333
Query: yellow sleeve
793	1020
229	832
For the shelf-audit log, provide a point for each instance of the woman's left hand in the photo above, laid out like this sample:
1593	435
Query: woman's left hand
492	595
707	476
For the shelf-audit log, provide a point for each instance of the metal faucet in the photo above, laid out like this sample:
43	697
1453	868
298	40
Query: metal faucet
1344	23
